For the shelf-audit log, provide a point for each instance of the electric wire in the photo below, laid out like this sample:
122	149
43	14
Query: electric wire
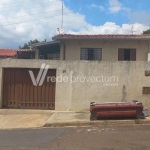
22	4
34	14
38	23
33	20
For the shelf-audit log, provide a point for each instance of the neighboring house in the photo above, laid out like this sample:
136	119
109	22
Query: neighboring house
47	50
8	53
95	47
19	54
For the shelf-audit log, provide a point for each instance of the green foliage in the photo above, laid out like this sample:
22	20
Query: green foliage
146	32
27	45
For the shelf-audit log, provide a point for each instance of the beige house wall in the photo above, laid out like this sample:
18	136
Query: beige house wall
109	48
1	87
77	95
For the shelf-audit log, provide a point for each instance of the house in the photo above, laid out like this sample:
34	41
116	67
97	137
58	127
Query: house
96	47
18	54
8	53
47	50
120	73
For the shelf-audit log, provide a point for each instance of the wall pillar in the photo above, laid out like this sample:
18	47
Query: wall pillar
1	85
62	51
148	59
148	56
36	54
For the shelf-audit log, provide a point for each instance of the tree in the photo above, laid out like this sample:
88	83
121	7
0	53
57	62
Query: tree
27	45
146	32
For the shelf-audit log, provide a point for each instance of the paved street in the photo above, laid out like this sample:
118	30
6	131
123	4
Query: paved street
89	138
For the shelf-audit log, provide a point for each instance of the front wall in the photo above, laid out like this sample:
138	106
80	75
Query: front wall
77	95
109	48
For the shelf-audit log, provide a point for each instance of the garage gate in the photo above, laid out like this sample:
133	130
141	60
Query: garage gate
19	91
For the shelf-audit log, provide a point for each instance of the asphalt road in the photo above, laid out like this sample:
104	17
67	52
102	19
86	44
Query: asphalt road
89	138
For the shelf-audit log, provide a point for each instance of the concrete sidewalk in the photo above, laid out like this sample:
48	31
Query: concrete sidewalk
62	119
23	118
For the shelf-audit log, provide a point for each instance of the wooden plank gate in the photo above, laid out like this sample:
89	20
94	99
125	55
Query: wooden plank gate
19	91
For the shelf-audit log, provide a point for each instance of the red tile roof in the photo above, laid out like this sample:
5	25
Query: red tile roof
12	52
8	52
101	36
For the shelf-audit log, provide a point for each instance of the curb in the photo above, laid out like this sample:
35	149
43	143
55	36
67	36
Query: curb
99	123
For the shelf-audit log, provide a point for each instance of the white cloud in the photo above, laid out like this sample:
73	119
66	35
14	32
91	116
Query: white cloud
97	6
112	28
115	6
14	25
14	31
140	17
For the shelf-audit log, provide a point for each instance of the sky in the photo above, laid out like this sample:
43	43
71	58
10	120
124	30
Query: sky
25	20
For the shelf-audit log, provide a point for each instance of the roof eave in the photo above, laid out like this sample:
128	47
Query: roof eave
45	43
59	39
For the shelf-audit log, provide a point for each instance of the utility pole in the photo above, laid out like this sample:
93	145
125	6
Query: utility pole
60	30
62	14
132	29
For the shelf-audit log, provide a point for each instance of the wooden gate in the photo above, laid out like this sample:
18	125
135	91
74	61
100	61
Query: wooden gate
19	91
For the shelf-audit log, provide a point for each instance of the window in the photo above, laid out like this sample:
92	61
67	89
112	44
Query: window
126	54
146	90
91	54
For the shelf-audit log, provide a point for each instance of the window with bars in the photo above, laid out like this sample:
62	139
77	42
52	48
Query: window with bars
53	56
50	56
126	54
91	54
